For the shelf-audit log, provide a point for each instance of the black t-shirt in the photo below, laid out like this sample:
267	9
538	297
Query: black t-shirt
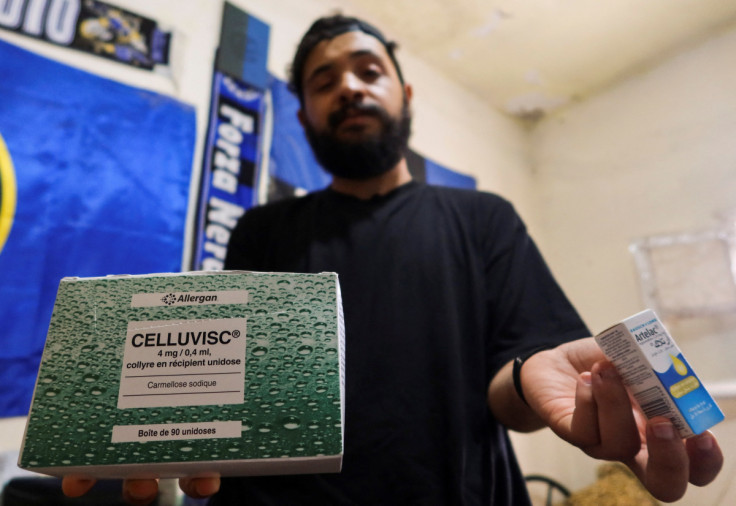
441	287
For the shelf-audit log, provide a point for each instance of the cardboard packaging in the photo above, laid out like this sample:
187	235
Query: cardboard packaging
658	375
170	375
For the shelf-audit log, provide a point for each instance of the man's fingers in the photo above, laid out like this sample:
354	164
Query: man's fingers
140	492
200	487
668	469
584	425
706	458
619	435
75	486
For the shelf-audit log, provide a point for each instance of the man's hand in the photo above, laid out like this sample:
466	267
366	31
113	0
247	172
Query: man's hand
143	492
580	396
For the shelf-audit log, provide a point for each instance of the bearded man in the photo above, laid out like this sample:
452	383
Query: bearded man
445	298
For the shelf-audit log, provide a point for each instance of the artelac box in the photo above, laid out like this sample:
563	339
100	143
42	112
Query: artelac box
168	375
657	374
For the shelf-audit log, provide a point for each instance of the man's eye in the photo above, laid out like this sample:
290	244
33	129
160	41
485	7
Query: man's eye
323	85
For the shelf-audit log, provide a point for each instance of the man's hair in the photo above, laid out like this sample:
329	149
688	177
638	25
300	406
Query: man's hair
327	28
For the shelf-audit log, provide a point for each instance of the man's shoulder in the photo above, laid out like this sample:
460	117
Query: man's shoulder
469	197
488	214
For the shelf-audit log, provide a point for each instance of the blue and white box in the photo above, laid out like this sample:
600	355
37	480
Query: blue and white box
658	375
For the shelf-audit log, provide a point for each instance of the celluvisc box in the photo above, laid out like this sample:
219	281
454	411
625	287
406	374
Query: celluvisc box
169	375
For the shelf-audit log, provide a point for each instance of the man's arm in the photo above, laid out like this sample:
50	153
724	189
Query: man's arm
576	392
507	406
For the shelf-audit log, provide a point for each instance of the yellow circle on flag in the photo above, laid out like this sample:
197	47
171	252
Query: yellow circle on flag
7	193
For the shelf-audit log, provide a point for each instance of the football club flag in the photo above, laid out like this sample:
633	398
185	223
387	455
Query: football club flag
94	180
91	26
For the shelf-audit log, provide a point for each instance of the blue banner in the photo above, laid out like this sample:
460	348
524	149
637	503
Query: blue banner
243	49
102	175
229	172
233	148
293	164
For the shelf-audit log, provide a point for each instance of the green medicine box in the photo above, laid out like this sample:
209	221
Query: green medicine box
169	375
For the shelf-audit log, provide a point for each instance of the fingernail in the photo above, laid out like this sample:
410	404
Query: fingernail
587	378
664	431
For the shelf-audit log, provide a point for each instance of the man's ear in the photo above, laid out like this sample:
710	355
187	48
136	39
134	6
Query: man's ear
408	92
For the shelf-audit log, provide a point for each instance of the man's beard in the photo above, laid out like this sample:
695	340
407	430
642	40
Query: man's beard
369	156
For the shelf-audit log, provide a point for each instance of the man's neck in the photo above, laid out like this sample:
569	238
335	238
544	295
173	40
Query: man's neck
379	185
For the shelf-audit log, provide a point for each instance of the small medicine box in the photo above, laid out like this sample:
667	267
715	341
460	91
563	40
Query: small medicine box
657	374
169	375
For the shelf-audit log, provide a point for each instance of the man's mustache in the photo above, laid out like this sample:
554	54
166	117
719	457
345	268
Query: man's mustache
337	117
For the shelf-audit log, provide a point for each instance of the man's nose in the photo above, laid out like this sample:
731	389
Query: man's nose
351	87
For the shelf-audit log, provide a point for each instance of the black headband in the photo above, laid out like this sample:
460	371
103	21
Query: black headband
356	25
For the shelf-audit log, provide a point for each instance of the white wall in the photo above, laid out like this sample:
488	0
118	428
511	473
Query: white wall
654	155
